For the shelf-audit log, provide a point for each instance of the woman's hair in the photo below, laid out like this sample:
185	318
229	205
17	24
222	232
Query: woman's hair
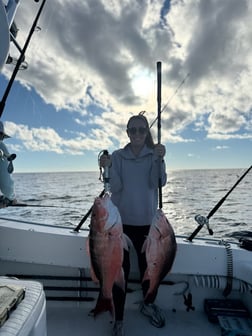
148	140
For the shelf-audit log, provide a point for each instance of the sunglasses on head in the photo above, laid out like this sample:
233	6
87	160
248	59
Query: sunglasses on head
134	130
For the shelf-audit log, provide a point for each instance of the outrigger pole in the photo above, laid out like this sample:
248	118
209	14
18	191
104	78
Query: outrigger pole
20	59
201	220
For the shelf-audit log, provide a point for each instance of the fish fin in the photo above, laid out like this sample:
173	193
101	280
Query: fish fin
127	243
93	276
144	247
92	272
120	280
146	276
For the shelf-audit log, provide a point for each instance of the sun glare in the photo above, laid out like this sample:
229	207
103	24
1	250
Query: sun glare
142	83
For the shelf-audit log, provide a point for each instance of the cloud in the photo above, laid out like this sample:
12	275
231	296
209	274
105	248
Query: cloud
48	140
221	147
219	136
226	121
86	52
213	47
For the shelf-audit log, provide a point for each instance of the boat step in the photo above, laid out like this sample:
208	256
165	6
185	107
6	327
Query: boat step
55	291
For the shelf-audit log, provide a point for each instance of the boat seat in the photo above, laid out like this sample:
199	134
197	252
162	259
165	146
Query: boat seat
29	317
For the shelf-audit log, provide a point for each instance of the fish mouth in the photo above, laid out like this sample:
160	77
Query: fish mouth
163	230
106	212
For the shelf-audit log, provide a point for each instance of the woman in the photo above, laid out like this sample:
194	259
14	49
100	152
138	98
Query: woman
134	178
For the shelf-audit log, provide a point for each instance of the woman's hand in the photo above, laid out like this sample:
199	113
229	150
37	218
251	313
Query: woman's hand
159	150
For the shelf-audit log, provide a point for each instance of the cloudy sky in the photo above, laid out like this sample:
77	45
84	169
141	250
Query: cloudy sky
92	64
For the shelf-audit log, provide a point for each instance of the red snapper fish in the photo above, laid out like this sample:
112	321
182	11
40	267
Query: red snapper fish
105	244
160	249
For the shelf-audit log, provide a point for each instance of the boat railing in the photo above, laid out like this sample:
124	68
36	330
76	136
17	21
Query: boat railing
10	8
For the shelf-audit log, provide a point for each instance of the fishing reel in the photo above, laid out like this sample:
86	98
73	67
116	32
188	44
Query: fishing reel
202	220
10	158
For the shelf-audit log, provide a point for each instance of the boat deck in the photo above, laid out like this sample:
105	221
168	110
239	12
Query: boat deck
78	322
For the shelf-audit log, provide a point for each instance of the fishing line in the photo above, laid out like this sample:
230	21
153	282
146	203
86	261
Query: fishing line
171	97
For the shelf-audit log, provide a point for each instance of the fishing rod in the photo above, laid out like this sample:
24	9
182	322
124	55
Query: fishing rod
38	206
20	59
77	228
159	135
159	85
201	220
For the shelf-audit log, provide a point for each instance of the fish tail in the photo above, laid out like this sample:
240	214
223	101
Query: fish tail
150	289
150	296
103	304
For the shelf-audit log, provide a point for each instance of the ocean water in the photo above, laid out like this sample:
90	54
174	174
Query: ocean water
64	198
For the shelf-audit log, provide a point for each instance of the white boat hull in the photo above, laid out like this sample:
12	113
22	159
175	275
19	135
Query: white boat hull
57	258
